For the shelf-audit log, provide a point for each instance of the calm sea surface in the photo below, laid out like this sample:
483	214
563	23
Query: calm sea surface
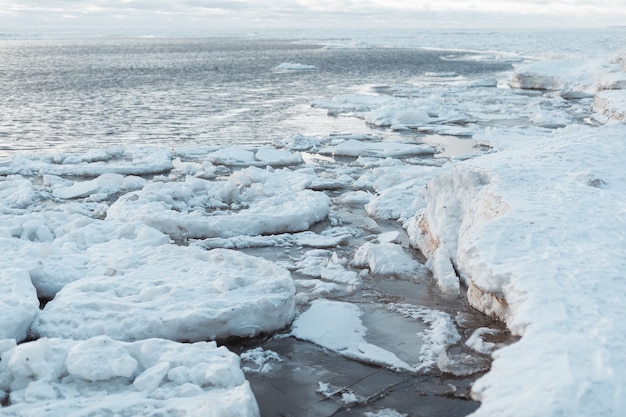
79	94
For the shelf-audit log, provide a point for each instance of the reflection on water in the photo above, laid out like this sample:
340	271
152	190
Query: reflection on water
77	95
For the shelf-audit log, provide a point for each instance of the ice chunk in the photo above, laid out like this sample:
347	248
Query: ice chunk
298	142
262	359
98	359
292	66
18	303
105	184
101	376
337	326
223	293
379	149
124	161
306	239
355	198
16	193
272	215
610	106
57	248
401	115
387	259
476	340
352	102
264	156
575	78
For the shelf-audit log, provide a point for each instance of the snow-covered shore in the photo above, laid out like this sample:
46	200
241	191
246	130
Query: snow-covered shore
113	259
536	231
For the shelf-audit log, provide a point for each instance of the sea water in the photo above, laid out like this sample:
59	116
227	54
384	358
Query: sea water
61	95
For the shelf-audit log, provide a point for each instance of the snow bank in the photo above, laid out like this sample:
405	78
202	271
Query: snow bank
137	295
535	231
100	376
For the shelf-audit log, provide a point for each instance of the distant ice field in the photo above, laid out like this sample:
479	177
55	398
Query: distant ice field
61	95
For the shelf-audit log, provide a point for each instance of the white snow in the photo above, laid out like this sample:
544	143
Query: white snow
535	232
101	376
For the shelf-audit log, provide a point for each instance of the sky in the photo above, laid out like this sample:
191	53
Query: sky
258	15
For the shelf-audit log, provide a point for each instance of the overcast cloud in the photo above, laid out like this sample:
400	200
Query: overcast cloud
276	14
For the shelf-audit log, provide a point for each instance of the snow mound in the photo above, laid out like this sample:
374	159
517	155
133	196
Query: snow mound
100	376
138	294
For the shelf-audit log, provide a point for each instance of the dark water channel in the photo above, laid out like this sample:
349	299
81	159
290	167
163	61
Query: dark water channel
303	379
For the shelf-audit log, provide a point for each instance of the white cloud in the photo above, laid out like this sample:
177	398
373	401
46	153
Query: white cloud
304	13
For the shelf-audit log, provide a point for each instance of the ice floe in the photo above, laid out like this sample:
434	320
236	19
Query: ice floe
101	376
123	160
346	336
225	293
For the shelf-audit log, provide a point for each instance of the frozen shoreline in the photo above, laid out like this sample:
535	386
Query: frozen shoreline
536	231
533	228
